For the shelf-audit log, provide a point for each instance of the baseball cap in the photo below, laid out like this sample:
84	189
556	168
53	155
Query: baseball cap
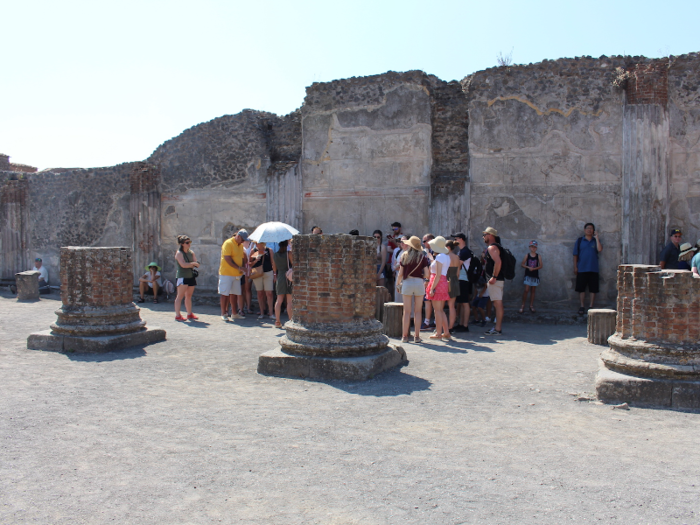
459	235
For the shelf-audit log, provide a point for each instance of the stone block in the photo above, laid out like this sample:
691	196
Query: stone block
27	285
280	364
601	325
50	341
393	319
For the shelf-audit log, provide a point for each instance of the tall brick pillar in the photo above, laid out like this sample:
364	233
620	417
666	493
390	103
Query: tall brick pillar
145	206
333	333
654	356
98	314
14	231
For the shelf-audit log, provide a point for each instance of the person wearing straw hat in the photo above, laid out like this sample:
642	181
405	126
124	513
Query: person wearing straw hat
438	290
151	281
495	277
687	253
695	261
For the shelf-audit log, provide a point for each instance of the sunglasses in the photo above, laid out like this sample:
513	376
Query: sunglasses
377	236
187	242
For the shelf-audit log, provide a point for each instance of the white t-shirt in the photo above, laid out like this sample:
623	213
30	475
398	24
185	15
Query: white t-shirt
44	273
443	259
159	280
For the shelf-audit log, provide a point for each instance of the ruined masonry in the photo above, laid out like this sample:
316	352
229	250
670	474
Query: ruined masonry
98	314
333	333
653	358
535	151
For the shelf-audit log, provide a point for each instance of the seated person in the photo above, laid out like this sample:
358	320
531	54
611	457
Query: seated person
152	282
44	277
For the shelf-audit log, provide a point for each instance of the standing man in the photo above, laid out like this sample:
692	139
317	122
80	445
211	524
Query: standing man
669	255
465	287
44	277
586	268
231	269
394	237
495	278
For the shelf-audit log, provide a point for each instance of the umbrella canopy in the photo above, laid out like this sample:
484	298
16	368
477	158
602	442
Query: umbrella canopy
273	232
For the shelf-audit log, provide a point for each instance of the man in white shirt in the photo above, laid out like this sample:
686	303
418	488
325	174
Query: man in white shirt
44	277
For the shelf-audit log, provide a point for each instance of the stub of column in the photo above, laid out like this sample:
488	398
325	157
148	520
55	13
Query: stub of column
654	356
333	332
27	285
97	312
601	325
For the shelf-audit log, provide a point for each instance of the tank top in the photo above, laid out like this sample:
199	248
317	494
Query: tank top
185	273
532	262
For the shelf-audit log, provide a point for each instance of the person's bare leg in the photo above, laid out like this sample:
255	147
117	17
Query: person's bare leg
224	301
439	328
142	289
406	320
428	310
522	305
278	309
464	314
498	305
188	299
155	291
453	312
533	289
270	303
261	302
180	296
417	311
582	298
236	303
592	299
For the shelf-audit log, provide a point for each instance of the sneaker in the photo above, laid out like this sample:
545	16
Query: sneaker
193	317
261	316
179	318
236	316
270	316
240	312
488	320
224	318
493	331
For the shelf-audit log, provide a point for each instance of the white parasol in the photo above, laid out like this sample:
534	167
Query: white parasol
273	232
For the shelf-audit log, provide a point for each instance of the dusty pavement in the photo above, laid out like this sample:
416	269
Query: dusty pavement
186	431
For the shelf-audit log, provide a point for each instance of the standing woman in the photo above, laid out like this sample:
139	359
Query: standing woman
453	281
186	260
381	257
282	260
261	257
437	289
413	270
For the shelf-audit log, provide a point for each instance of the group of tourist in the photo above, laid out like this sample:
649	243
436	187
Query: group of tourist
428	274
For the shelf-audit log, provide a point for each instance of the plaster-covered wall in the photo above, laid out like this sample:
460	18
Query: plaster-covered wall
545	145
366	154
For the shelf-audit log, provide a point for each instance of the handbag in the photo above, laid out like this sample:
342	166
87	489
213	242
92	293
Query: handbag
257	271
289	274
195	272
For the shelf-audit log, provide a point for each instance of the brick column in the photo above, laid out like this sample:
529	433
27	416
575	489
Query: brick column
97	313
334	298
333	333
654	356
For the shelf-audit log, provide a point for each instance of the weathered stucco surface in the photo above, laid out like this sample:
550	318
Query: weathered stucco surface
545	143
535	151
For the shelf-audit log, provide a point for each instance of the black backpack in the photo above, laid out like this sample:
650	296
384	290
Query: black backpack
507	263
475	269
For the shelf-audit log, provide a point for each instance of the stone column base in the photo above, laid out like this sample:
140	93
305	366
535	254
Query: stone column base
48	340
614	387
277	363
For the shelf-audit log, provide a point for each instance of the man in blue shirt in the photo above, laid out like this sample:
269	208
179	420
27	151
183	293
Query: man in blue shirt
586	269
669	255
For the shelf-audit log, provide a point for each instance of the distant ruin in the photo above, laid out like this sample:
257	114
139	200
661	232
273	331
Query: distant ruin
535	151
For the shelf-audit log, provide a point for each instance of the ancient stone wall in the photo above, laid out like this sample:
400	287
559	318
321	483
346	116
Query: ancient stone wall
366	158
545	148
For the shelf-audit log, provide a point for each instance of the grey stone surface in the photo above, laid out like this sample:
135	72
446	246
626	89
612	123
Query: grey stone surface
613	387
51	341
479	430
27	285
277	363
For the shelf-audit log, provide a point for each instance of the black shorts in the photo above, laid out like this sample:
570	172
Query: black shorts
465	292
188	281
589	279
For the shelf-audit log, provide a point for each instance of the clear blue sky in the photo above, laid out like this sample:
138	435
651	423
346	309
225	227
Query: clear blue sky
96	83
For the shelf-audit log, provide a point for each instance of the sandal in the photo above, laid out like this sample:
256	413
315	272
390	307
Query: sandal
179	318
522	308
278	324
155	301
141	300
532	309
435	336
581	311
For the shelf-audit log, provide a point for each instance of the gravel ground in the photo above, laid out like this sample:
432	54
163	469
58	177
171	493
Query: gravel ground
481	430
